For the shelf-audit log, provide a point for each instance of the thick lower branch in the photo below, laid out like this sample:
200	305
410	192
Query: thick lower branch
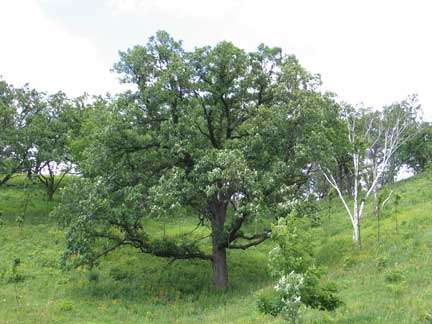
256	240
160	248
235	227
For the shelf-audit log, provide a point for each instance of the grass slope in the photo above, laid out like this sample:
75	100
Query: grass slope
386	282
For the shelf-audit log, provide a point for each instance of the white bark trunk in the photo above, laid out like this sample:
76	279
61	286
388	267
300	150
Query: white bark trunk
390	139
356	233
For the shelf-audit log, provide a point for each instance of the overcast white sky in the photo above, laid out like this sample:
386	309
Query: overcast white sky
375	52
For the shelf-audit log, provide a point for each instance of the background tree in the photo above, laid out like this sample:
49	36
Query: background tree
18	107
8	133
216	133
373	138
416	153
52	130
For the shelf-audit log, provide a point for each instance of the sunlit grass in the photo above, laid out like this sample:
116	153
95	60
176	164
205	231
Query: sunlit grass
382	282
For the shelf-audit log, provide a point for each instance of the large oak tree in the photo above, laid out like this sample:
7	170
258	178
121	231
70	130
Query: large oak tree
216	133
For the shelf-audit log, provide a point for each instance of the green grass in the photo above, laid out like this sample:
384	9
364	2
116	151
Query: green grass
386	282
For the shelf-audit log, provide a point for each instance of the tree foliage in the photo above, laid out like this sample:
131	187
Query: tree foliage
416	153
36	132
18	108
52	130
219	133
292	259
374	137
230	138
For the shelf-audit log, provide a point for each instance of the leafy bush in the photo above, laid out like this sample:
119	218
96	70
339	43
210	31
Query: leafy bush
286	299
290	289
291	259
307	209
270	302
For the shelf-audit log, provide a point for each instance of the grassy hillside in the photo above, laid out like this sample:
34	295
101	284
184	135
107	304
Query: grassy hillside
386	282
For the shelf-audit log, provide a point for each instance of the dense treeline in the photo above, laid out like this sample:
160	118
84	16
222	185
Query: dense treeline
235	139
37	131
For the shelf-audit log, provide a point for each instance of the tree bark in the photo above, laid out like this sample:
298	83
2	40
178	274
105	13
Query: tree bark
5	179
356	233
220	269
50	193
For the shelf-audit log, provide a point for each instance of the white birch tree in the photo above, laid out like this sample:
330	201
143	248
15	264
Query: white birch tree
373	138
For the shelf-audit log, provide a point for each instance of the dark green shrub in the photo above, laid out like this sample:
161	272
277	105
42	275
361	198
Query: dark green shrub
291	256
270	302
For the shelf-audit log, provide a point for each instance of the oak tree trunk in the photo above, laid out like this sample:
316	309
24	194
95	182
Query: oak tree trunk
50	192
220	269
